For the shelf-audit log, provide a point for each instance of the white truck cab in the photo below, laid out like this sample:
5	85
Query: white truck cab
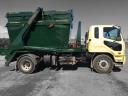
105	42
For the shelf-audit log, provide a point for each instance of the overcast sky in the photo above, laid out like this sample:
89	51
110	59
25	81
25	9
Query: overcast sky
90	12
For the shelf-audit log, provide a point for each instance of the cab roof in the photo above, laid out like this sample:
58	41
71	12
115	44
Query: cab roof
104	25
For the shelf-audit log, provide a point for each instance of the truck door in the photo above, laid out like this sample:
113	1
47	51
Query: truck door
112	38
93	41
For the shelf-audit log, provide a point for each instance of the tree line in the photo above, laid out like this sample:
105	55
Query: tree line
4	42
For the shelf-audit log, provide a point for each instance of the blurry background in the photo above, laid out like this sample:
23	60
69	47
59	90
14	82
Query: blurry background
90	12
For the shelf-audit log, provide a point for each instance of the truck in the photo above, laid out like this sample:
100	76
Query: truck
35	35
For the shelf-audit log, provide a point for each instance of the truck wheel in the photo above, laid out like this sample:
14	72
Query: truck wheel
103	64
27	63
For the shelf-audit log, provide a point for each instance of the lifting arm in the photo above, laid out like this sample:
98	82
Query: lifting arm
19	40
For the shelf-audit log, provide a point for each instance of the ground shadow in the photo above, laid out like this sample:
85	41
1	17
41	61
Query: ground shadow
116	69
43	65
76	66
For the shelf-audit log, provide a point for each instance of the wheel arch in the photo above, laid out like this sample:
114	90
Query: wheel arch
96	54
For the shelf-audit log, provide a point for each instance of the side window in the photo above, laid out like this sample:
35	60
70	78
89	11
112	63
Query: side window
96	32
112	33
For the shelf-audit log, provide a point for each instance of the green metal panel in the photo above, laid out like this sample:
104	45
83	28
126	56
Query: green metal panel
56	37
78	38
3	51
41	34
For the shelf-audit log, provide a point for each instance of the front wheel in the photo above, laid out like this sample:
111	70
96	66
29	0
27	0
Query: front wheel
103	64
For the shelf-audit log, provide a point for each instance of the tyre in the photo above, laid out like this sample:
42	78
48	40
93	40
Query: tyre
103	64
27	63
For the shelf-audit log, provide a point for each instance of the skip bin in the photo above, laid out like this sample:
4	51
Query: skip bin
51	30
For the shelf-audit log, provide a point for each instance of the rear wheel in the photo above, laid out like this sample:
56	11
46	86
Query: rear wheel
103	64
27	63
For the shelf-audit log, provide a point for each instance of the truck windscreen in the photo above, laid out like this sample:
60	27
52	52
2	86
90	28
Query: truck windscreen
112	33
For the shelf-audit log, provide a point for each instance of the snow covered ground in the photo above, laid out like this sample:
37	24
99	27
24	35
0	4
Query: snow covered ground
64	82
2	61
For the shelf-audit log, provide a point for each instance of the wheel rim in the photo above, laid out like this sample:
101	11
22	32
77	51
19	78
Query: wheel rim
103	64
26	65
